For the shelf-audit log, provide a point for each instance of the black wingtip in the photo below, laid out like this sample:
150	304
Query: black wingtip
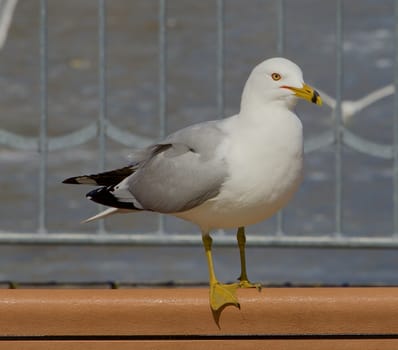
104	196
70	180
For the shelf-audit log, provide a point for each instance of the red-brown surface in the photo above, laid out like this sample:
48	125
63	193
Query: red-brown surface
165	318
205	344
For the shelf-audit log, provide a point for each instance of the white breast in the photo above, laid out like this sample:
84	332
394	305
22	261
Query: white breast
265	164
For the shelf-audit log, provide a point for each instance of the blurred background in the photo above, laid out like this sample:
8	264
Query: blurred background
143	68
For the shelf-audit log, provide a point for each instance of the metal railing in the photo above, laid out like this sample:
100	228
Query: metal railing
103	128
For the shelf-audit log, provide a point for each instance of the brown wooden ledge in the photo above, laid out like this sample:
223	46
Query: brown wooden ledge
276	318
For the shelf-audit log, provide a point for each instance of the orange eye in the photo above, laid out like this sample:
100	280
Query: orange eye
276	76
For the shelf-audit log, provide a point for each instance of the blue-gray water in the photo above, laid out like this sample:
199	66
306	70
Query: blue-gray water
132	86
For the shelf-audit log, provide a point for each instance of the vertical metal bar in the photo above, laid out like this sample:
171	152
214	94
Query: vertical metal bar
43	141
102	94
162	67
395	165
220	59
338	116
280	51
102	82
280	44
162	83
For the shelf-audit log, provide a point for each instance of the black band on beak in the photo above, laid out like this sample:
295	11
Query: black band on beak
315	96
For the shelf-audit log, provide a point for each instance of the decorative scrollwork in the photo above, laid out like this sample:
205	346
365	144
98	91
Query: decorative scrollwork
74	138
348	110
126	138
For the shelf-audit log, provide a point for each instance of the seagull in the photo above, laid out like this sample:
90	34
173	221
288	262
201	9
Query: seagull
220	174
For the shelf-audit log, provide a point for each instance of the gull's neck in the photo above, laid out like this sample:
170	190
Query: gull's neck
256	104
256	109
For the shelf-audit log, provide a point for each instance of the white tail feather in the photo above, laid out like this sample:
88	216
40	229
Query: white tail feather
107	212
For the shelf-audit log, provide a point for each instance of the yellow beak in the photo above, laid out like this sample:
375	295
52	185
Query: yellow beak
307	93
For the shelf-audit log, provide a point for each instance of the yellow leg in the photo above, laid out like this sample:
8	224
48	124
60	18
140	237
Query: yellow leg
220	294
244	281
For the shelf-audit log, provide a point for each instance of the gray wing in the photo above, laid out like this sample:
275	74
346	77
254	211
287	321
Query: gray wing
178	174
186	172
